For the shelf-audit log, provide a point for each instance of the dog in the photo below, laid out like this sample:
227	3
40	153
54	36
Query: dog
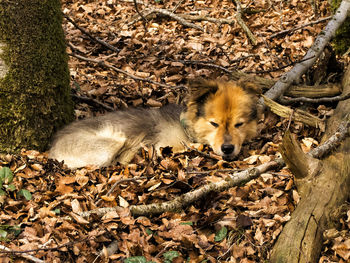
220	114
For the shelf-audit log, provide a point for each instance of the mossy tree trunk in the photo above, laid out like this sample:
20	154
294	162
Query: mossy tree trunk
34	77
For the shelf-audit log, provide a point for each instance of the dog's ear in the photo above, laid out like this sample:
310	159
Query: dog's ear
250	87
200	89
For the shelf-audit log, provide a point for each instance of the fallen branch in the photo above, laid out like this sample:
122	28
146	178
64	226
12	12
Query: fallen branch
296	115
243	25
318	100
283	32
182	17
165	12
313	53
23	255
341	133
190	197
327	90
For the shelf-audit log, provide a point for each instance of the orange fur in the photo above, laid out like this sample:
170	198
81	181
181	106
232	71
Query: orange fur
227	119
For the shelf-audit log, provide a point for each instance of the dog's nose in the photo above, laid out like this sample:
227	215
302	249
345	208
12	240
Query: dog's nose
227	148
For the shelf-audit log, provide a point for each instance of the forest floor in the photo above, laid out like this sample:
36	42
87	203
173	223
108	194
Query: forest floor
118	60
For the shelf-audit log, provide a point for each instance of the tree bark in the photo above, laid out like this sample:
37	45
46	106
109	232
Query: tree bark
34	77
323	186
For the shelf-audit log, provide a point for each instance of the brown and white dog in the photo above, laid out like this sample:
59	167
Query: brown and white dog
220	114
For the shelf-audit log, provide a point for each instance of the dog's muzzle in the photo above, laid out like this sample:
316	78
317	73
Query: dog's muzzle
228	152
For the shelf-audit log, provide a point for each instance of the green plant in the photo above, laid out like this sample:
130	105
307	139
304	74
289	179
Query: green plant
6	186
7	231
6	178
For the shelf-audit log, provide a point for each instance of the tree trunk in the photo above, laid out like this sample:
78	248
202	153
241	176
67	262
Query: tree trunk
324	185
34	77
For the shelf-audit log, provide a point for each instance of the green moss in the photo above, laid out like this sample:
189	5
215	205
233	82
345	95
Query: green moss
341	41
35	94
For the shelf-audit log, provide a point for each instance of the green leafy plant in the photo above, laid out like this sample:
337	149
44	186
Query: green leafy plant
6	232
6	178
170	255
6	186
221	234
137	259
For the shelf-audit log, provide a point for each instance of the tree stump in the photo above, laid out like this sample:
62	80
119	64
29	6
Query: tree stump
324	185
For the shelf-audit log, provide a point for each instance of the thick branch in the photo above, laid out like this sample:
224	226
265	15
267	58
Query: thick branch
321	192
188	198
319	100
296	115
313	53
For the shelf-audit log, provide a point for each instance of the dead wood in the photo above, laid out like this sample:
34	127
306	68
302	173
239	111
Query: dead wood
149	11
245	28
319	100
317	91
23	255
327	90
281	86
190	197
296	115
323	188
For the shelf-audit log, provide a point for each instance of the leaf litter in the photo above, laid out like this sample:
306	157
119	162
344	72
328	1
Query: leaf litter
240	224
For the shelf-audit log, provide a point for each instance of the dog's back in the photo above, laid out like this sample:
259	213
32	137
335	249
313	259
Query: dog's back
117	136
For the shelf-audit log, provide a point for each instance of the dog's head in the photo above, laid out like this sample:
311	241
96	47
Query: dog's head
222	114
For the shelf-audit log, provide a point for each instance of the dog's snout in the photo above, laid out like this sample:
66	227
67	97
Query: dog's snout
227	148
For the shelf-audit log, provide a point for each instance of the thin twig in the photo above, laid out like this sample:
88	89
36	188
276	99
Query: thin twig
134	180
68	244
24	255
207	18
279	68
214	171
177	6
283	32
95	39
136	78
179	19
204	63
93	102
141	15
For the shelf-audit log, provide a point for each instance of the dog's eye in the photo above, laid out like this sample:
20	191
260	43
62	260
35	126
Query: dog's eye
214	124
239	124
